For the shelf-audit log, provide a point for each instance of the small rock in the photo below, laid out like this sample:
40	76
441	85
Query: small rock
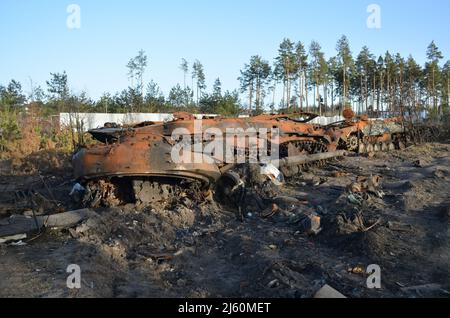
19	243
274	283
286	202
17	237
355	199
420	163
440	173
310	223
339	174
28	213
356	187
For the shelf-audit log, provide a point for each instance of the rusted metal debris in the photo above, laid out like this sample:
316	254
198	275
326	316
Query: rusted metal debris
19	224
135	163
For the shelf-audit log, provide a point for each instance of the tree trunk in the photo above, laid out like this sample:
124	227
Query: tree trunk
381	95
305	80
250	98
389	92
448	93
332	97
366	92
433	92
288	97
374	89
314	97
258	94
273	97
344	96
300	89
318	99
360	94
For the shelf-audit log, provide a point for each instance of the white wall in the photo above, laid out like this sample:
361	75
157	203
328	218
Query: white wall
96	120
327	120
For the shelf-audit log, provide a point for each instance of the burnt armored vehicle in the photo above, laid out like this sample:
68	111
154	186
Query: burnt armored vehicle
363	135
137	163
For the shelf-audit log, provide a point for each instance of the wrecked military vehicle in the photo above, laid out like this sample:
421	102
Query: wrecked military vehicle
363	135
151	161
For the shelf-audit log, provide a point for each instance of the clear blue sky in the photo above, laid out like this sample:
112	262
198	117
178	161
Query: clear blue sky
221	34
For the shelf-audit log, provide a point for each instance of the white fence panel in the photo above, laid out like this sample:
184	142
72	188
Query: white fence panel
96	120
327	120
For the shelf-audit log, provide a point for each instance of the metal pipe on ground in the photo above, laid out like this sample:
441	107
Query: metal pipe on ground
303	159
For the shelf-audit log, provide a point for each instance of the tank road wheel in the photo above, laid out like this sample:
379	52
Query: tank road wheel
352	143
384	147
289	171
376	147
369	148
401	145
391	146
362	148
295	170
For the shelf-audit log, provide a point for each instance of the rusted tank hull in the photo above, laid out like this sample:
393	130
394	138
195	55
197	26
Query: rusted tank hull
138	159
137	164
146	150
362	135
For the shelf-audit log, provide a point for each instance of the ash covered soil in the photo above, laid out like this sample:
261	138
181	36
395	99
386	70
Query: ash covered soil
186	249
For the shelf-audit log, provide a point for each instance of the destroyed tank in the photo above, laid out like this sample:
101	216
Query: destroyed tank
363	135
136	164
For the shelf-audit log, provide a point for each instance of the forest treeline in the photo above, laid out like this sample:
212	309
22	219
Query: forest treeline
300	78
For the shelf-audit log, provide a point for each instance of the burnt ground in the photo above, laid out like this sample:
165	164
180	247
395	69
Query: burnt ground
185	249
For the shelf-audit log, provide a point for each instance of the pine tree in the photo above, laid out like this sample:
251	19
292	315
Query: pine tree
432	67
184	66
332	73
199	75
319	70
254	78
446	90
301	60
346	61
413	74
286	68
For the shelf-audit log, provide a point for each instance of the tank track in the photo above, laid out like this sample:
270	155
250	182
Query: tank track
306	147
116	191
399	141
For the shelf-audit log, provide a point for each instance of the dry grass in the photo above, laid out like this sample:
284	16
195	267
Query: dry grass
32	144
